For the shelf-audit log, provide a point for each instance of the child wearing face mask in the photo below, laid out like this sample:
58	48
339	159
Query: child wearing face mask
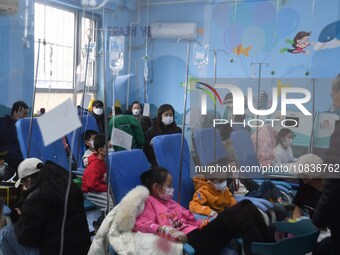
164	124
94	183
165	217
211	197
283	150
89	136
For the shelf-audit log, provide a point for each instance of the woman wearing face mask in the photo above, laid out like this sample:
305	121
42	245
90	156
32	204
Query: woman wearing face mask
165	217
98	114
136	110
164	124
283	150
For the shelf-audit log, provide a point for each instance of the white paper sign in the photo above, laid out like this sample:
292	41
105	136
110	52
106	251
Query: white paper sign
146	110
58	122
121	138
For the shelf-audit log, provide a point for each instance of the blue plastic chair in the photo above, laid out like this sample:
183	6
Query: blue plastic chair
54	152
167	152
304	239
204	144
126	168
246	156
78	148
209	149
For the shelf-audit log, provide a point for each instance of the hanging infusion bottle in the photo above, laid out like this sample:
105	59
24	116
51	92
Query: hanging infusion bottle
201	55
91	51
117	44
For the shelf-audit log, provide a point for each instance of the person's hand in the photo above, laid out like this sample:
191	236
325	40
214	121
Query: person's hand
172	234
213	214
18	211
177	235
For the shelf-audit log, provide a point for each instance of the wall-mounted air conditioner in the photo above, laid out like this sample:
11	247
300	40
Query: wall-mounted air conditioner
9	7
186	31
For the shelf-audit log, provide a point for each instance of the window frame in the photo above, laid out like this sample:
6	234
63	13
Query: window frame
78	15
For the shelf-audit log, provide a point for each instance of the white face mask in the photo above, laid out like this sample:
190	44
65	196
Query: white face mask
169	193
135	112
289	142
167	120
98	111
92	144
221	186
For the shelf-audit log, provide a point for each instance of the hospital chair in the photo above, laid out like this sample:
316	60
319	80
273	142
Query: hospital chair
303	241
210	150
126	168
246	157
167	152
78	148
54	152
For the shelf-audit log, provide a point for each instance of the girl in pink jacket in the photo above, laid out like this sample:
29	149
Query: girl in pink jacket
165	217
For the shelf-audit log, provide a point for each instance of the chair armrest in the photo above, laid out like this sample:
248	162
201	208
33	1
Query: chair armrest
187	249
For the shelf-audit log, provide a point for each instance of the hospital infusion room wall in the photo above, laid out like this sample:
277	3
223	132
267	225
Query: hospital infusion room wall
257	31
16	59
265	28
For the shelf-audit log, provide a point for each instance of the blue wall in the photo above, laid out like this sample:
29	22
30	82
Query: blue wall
16	60
262	25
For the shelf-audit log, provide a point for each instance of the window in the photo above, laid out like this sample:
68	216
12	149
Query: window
60	50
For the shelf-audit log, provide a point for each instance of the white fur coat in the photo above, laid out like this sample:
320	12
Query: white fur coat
116	230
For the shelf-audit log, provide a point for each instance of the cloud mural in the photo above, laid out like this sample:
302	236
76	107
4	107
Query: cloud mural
249	26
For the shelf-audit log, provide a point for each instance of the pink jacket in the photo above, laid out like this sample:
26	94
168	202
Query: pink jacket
158	212
267	143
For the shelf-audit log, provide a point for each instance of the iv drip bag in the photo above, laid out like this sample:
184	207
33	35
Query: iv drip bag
117	44
201	55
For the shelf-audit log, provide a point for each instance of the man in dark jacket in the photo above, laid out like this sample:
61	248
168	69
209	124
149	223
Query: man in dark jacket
8	135
38	217
327	213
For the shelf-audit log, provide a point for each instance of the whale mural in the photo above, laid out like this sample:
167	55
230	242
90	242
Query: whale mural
329	37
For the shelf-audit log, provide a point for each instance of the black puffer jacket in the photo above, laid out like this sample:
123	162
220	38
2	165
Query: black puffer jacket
327	212
42	214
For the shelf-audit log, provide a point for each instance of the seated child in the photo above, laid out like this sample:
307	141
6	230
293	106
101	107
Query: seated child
211	197
94	183
89	136
165	217
283	151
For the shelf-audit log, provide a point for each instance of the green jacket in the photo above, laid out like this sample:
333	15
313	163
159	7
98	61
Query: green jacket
130	125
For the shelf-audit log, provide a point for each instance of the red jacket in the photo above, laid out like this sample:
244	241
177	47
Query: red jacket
94	178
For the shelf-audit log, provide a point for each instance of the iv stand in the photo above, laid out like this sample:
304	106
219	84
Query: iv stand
311	142
215	51
183	119
260	64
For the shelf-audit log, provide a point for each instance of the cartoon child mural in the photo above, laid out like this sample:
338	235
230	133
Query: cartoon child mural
299	43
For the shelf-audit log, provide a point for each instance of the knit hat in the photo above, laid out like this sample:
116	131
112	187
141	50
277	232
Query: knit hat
27	168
